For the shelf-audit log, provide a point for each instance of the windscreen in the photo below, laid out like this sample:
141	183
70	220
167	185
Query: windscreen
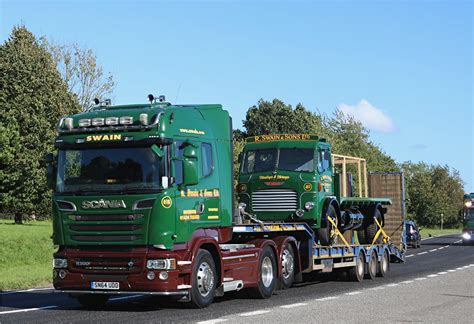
108	170
469	213
285	159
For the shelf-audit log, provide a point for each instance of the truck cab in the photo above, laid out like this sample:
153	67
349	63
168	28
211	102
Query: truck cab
467	214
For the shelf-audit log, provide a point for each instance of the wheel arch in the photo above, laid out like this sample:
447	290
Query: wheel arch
330	201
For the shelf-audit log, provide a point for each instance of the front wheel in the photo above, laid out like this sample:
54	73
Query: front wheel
203	280
93	301
267	279
326	234
372	266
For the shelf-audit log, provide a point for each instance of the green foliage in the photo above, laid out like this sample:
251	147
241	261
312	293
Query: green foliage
433	190
32	98
26	253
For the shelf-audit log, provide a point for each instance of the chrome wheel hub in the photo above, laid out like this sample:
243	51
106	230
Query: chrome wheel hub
205	279
287	264
267	272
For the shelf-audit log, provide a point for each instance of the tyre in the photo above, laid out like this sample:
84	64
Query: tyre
357	272
372	266
384	265
93	301
204	280
287	266
367	234
267	275
324	234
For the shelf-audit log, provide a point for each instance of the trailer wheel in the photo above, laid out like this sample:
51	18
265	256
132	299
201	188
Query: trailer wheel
324	233
384	265
287	266
367	234
357	272
203	280
268	275
93	301
372	266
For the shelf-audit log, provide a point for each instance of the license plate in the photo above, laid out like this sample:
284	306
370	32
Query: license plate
105	285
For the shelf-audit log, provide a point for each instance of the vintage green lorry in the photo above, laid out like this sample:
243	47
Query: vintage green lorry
143	203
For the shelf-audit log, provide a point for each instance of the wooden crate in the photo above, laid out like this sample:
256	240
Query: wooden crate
390	185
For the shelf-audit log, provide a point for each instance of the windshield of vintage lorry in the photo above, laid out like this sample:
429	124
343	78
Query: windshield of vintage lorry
108	170
285	159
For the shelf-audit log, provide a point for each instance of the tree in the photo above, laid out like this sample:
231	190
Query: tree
276	117
32	98
433	190
81	71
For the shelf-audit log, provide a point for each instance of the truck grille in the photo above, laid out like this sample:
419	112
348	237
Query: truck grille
107	264
274	200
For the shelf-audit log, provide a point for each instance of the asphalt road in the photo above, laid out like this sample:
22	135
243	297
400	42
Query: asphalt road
436	284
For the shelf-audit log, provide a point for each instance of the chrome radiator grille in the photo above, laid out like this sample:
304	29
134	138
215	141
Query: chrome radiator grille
274	200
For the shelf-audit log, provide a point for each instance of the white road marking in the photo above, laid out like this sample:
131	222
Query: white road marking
446	246
327	298
377	288
408	256
28	309
421	253
458	241
419	279
433	250
293	305
407	282
442	272
212	321
258	312
125	297
432	275
441	248
452	270
392	285
460	268
22	291
353	293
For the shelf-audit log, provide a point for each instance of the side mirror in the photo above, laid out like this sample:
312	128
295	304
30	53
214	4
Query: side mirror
461	213
190	166
50	171
190	152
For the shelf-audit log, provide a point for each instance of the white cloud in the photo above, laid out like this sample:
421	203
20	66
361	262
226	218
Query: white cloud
370	116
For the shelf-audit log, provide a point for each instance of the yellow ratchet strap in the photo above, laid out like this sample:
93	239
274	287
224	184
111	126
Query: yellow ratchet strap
336	231
385	237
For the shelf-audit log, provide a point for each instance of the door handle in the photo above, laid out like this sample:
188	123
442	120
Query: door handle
200	208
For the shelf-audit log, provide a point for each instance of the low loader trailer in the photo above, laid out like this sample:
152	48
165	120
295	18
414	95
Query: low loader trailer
144	203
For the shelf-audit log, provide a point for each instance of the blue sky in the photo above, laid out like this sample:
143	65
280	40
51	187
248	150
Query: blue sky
407	64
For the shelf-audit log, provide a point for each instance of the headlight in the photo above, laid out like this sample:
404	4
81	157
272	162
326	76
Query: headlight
309	205
468	204
466	236
59	263
161	264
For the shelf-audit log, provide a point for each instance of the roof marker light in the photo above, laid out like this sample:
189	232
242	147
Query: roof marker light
98	122
68	122
112	121
144	119
84	122
126	120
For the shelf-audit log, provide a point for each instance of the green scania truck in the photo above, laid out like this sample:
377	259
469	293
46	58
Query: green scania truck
143	203
467	214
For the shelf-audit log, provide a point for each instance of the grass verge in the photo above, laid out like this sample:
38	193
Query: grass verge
26	253
426	232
